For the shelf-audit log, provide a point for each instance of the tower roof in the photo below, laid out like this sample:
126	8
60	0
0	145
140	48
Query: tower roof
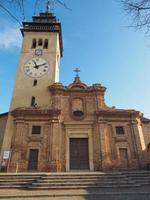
45	22
45	17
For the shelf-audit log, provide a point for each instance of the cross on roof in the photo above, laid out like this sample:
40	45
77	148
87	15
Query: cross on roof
77	70
49	5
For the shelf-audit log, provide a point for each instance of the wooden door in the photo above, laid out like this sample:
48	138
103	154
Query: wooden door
124	162
33	159
79	154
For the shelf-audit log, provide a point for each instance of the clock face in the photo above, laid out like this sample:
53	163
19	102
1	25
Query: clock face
36	67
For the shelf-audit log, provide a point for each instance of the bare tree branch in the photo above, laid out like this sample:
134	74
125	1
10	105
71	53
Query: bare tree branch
11	15
11	6
35	5
139	10
63	4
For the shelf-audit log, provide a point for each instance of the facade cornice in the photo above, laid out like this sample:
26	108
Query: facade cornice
58	88
78	123
4	114
118	113
35	112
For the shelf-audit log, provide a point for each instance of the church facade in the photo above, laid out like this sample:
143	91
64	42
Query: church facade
56	128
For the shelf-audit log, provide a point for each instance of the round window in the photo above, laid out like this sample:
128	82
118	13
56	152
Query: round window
78	113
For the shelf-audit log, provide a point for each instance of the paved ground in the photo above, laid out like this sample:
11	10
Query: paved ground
14	194
91	197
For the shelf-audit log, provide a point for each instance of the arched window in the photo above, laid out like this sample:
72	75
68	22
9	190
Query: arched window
35	82
46	44
33	101
33	43
40	42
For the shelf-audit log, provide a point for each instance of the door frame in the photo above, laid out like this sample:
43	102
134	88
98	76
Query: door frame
87	152
28	154
124	145
79	131
127	158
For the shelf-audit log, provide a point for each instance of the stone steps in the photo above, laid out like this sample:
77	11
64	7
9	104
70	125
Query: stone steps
80	187
82	181
72	181
79	180
85	182
83	176
16	179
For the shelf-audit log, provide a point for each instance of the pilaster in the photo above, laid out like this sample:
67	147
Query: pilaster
56	147
106	162
140	143
16	163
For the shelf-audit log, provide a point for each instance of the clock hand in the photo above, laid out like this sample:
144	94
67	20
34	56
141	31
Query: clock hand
36	66
34	62
41	64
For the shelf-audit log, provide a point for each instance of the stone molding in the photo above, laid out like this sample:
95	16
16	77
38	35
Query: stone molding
21	113
76	86
118	113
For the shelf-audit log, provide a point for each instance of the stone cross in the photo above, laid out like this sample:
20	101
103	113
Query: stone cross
77	70
49	5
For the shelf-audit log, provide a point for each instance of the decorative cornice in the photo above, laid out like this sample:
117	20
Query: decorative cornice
35	112
118	113
145	120
98	87
77	86
57	88
78	123
4	114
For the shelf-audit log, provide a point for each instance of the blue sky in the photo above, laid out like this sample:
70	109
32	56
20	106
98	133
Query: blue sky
97	41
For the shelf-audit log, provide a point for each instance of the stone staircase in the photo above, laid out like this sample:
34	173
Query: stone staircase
82	181
86	185
21	180
44	181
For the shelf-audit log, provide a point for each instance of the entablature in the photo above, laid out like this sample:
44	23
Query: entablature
35	113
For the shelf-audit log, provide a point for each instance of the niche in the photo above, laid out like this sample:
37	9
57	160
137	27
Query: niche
77	108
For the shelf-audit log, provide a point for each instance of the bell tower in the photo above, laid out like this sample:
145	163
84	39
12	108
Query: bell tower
38	66
39	61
